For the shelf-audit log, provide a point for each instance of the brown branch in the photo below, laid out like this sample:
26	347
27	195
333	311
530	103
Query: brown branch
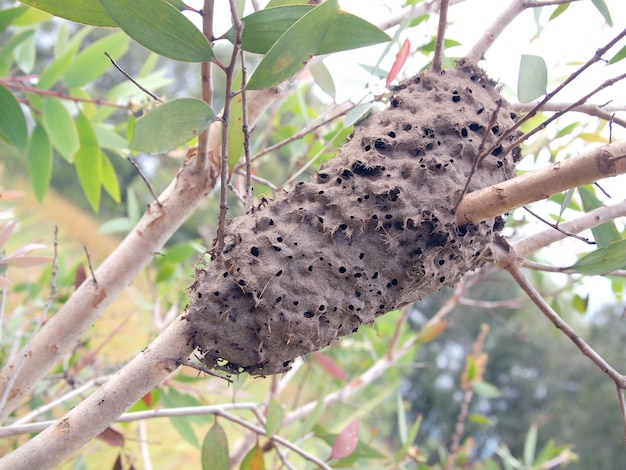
602	162
441	34
145	180
557	227
132	80
91	271
58	94
603	112
206	79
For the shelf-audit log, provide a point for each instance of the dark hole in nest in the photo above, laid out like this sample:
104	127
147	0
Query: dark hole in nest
407	127
475	127
346	174
497	151
380	144
362	170
392	134
308	314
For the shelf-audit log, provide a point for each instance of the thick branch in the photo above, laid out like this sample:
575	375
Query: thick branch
602	162
101	408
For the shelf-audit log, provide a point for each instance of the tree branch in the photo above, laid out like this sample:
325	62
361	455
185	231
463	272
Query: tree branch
595	110
602	162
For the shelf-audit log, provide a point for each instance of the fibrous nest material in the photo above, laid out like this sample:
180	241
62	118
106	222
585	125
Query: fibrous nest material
373	230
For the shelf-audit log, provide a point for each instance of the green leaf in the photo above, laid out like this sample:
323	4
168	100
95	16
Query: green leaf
12	121
604	11
110	139
530	446
606	233
60	127
485	390
254	459
264	28
88	161
6	53
39	162
91	62
274	420
567	198
8	15
415	427
53	72
171	124
479	419
324	79
533	78
109	179
603	260
81	11
174	399
235	127
32	16
295	47
24	54
160	27
214	454
621	54
558	11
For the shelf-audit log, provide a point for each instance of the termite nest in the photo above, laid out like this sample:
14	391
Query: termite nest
373	230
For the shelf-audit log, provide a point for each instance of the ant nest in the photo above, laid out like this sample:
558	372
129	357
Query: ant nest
373	230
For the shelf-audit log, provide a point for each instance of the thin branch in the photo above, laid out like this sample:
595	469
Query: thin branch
508	260
441	34
132	80
525	263
603	112
93	274
411	12
206	79
44	312
532	243
145	180
58	94
595	58
557	227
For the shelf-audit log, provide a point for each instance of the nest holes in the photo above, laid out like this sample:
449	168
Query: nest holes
321	308
279	239
464	132
276	248
322	177
241	282
254	251
308	314
455	96
500	163
441	262
363	170
310	268
279	273
320	193
339	180
395	102
428	146
475	127
278	299
367	148
347	174
199	295
343	227
407	127
495	130
480	111
428	133
442	279
380	144
497	151
342	269
392	134
320	219
361	255
271	222
375	276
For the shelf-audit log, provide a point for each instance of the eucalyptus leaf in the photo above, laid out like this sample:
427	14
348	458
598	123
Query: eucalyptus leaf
160	27
12	121
88	161
604	11
214	455
91	62
603	260
81	11
295	47
60	127
39	162
533	78
171	125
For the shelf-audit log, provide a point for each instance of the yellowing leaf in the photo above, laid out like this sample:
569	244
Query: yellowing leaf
431	331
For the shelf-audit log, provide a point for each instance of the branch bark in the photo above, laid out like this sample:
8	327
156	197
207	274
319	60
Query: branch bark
602	162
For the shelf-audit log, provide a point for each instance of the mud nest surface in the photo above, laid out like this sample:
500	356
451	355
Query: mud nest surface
373	230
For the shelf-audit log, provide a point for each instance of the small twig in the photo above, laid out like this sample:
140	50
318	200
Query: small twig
596	57
145	180
441	34
206	79
44	312
622	407
202	368
93	274
525	263
556	227
127	75
58	94
404	317
508	260
479	155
